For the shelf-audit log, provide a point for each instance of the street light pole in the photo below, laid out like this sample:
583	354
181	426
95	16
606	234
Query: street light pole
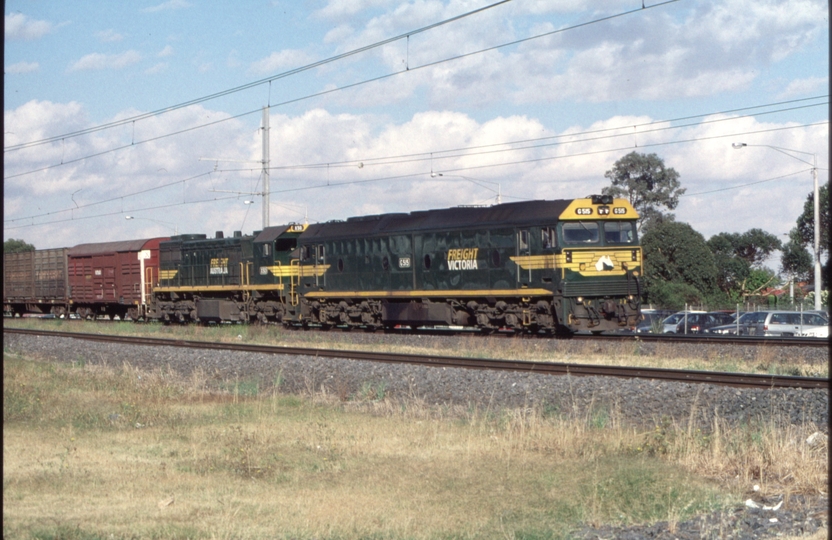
816	198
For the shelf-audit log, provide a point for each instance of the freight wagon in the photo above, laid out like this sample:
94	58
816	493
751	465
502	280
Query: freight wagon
35	282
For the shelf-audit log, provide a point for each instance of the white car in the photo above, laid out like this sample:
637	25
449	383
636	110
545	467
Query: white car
815	331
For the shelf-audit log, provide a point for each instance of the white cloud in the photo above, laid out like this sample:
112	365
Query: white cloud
276	61
109	36
21	27
167	51
804	87
161	67
99	61
701	51
167	6
22	67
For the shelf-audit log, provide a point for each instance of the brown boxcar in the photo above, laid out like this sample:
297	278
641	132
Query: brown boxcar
35	282
113	278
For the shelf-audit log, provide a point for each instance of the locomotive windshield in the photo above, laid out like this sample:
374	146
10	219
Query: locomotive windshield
619	232
580	232
591	232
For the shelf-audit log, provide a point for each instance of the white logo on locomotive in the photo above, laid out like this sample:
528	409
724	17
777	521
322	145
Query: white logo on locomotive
462	259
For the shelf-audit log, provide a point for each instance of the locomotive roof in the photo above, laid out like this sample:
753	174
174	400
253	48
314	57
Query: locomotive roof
501	215
83	250
271	233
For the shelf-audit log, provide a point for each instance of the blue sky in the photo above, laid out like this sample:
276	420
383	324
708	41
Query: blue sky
682	79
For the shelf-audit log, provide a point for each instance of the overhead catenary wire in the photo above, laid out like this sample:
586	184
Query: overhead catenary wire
302	98
447	154
422	174
430	156
259	82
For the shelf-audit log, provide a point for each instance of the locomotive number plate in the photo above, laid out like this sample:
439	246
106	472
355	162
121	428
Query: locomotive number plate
583	211
404	262
619	211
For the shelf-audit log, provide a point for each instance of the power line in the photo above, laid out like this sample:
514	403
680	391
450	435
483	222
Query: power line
309	96
422	173
447	154
112	199
461	169
745	185
253	84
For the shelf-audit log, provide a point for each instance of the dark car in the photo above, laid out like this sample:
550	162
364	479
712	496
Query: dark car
651	321
743	326
697	323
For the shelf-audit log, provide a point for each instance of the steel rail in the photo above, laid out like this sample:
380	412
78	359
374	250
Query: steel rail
624	337
746	380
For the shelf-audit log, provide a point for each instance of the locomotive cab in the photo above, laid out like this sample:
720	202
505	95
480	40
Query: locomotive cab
276	272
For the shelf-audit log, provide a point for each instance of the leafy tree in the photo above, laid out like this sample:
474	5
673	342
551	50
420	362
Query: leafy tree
755	245
678	264
647	184
738	255
733	270
675	295
796	261
759	279
806	220
16	246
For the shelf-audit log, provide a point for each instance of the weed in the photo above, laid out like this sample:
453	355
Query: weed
371	392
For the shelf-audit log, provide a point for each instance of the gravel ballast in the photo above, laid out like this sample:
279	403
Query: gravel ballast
635	401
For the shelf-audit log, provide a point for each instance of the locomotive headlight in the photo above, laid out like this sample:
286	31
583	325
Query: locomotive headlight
635	254
579	300
568	256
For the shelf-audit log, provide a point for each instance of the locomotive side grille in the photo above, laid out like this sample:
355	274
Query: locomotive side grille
599	288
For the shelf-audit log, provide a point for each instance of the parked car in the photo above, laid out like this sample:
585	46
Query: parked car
822	313
744	326
815	331
788	323
695	322
651	321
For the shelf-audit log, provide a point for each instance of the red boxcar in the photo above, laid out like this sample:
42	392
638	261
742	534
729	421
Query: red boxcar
113	278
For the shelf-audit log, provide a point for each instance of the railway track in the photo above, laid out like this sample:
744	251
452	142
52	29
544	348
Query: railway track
675	375
622	337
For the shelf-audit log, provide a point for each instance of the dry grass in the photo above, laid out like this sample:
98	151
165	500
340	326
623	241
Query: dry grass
631	353
92	451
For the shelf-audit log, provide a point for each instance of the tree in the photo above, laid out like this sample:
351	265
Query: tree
738	255
755	245
796	261
732	270
647	184
16	246
806	220
678	265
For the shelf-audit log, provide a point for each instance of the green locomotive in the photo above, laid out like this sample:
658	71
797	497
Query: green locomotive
552	266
